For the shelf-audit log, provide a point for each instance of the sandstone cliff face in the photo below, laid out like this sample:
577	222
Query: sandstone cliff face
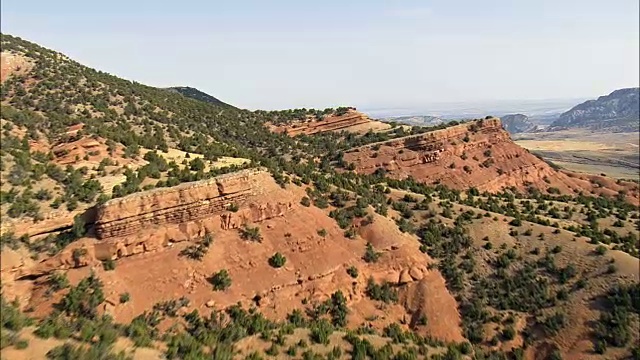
156	237
479	154
351	121
153	219
175	205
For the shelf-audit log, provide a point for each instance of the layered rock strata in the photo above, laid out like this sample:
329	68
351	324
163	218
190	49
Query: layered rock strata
175	205
159	236
475	154
329	123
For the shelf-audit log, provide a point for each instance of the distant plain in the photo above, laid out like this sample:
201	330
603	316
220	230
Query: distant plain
614	154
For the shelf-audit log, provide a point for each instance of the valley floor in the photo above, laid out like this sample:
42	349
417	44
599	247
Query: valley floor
614	154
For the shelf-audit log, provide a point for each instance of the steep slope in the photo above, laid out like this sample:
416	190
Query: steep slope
316	264
618	111
517	123
479	154
198	95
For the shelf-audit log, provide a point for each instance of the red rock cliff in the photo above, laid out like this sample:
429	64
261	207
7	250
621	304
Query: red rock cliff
348	121
475	154
175	205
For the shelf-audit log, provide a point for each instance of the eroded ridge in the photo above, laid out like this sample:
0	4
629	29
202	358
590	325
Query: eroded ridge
349	121
175	205
476	154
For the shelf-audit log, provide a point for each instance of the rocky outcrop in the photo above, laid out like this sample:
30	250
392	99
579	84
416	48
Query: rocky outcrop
155	237
51	223
252	214
346	122
475	154
151	220
77	254
437	140
175	205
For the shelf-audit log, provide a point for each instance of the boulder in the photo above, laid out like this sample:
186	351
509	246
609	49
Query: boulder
404	277
415	273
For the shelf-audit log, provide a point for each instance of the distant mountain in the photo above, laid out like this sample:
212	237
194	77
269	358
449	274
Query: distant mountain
618	111
419	120
518	123
197	94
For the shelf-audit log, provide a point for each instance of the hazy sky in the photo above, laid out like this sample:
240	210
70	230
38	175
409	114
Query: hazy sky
367	53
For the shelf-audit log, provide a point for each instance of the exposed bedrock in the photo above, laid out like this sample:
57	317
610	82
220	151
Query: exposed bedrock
329	123
175	205
475	154
151	220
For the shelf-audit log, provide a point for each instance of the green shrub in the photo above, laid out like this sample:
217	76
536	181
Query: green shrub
109	265
508	333
233	207
124	297
251	233
370	254
601	249
54	326
352	271
292	350
198	251
58	281
385	292
12	319
273	350
277	260
320	332
221	280
83	299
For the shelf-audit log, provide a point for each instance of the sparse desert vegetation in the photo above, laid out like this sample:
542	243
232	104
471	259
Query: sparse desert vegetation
133	233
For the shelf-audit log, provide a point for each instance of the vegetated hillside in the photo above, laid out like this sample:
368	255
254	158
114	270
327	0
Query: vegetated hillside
618	111
419	120
198	95
517	123
124	201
